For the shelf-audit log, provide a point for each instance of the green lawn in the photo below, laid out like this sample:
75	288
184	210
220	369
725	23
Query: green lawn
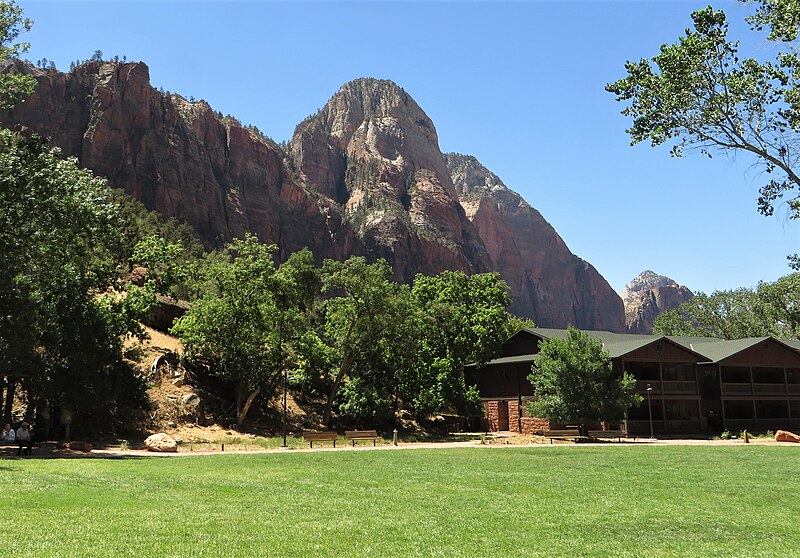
615	501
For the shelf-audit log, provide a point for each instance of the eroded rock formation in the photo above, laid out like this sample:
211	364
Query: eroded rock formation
649	295
363	176
548	282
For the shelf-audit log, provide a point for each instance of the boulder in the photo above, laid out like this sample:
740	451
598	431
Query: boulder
785	436
191	400
161	442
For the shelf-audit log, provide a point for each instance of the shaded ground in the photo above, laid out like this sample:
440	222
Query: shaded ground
502	440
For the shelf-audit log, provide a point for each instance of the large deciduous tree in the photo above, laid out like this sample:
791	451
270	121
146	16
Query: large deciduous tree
59	328
575	382
770	309
230	325
14	87
698	93
359	318
464	321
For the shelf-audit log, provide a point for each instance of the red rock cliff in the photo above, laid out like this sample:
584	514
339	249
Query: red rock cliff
179	157
363	176
548	283
374	150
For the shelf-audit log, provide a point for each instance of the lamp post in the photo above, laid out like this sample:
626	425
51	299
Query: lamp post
285	389
650	411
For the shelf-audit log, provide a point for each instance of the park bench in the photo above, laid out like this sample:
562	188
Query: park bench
27	444
312	437
354	435
559	434
618	434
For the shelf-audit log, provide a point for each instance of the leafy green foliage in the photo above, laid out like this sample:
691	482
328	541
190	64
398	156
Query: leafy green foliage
59	324
229	324
359	319
770	309
14	87
699	93
575	382
465	320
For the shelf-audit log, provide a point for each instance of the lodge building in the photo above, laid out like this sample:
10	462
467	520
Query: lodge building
699	385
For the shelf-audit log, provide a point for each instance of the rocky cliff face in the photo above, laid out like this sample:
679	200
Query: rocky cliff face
374	150
649	295
178	157
363	176
549	283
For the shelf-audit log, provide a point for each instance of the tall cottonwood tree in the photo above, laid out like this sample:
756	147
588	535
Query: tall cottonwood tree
769	309
699	94
229	326
14	87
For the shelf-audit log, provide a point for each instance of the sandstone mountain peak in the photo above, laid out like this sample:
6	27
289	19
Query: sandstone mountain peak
471	178
530	255
647	279
647	296
362	176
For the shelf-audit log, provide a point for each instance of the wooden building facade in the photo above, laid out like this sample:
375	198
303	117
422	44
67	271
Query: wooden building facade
698	385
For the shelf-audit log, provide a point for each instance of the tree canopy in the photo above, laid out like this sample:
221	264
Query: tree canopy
14	87
574	382
699	94
769	309
61	327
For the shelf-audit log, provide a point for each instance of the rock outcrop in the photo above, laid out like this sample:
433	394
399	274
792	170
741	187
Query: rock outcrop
548	282
786	436
178	157
649	295
363	176
161	443
373	150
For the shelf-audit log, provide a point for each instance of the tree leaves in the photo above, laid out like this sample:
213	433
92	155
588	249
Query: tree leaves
700	95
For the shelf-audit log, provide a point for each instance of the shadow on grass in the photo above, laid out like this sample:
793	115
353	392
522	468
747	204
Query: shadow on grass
59	453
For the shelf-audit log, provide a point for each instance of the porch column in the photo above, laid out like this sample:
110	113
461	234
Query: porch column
722	398
519	401
786	381
661	390
755	413
700	415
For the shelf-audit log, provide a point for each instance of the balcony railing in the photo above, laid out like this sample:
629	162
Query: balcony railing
758	389
738	388
770	389
680	386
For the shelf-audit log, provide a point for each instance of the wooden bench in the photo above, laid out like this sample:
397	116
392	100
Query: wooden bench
559	434
354	435
312	437
29	444
618	434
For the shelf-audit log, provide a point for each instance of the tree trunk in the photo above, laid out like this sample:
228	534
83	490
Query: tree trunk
9	403
239	389
347	358
250	398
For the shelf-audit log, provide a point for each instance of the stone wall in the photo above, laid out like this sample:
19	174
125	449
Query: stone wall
497	411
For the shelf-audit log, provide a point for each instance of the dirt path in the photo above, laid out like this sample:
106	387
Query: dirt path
499	444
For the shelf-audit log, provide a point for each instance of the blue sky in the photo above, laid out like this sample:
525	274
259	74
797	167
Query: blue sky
519	85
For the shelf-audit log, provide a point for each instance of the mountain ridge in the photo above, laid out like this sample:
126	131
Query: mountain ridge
364	175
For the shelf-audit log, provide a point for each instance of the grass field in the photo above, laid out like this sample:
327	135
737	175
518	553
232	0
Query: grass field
615	501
